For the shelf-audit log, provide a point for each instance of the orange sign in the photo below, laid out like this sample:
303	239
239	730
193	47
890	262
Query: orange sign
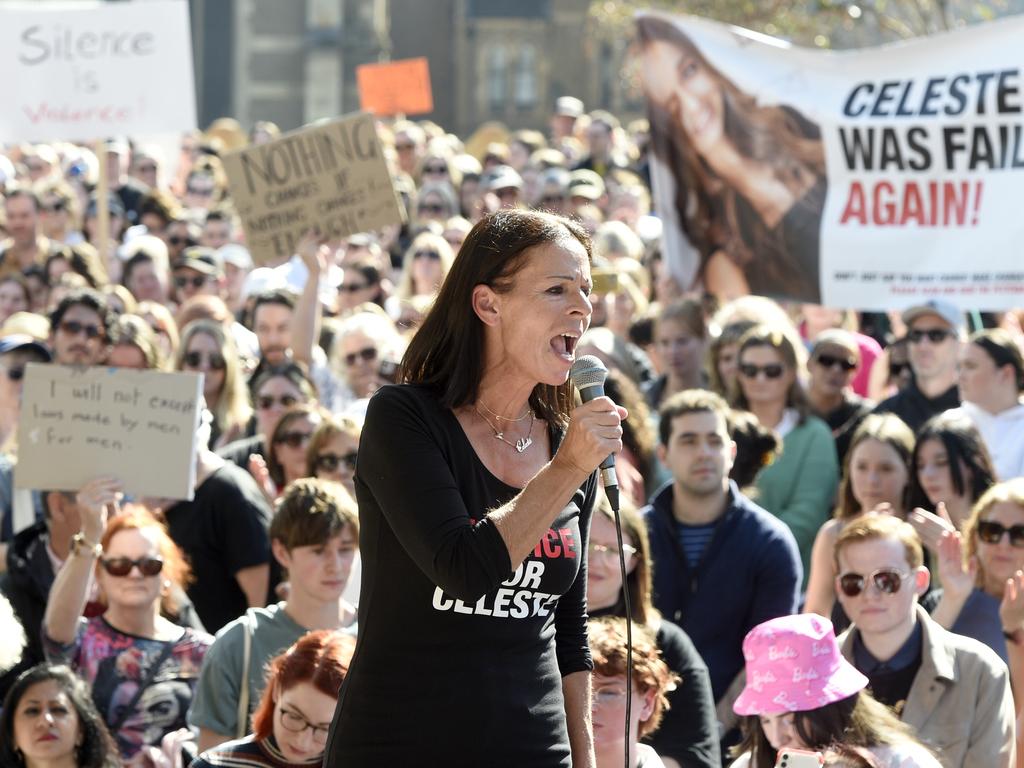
395	88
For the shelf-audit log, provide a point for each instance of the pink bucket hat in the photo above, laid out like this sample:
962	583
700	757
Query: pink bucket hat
794	665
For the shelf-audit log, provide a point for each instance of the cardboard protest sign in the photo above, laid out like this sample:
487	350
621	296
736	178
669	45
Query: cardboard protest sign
85	71
330	175
395	88
80	423
867	179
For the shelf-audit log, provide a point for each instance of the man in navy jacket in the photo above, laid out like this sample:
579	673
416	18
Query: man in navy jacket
722	564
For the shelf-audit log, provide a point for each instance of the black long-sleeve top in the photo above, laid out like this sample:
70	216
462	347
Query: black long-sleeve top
460	657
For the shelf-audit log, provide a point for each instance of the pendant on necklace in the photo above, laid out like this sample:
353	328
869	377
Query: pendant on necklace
523	444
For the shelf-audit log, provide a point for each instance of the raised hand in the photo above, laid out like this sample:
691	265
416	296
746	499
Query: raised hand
98	499
1011	610
930	527
958	578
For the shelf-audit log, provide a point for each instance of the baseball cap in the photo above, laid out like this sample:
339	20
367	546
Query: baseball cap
236	255
503	177
941	308
836	337
569	106
586	184
199	258
22	341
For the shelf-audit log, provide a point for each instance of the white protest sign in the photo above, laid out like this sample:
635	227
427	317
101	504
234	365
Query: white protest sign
868	179
138	426
329	175
83	71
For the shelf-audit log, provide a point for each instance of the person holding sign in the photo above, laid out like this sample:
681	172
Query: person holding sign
475	487
750	179
143	669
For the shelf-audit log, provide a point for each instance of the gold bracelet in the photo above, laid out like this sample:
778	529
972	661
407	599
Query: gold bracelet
81	545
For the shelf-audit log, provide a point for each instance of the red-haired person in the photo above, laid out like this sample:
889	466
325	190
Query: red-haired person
142	668
291	723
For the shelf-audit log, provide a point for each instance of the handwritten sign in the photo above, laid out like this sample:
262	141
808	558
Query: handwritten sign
80	423
91	70
331	175
395	88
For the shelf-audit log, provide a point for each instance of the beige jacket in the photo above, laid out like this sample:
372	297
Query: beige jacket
959	703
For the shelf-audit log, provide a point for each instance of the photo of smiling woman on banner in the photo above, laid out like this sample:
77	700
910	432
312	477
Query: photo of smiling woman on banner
749	179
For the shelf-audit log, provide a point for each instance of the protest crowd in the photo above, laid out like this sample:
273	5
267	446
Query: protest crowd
793	476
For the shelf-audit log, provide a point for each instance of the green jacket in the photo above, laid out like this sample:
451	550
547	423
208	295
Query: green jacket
799	487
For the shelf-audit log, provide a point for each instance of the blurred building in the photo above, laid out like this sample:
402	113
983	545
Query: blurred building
293	61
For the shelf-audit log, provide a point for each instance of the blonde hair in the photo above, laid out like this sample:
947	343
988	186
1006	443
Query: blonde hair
232	408
1009	492
427	240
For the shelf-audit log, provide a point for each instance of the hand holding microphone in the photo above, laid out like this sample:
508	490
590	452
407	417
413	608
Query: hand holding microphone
595	429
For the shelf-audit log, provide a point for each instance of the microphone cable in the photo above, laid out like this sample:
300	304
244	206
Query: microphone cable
613	499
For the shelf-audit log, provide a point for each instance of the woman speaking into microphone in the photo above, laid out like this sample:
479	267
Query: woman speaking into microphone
475	487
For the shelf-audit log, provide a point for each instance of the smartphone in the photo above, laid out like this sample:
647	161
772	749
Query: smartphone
799	758
605	280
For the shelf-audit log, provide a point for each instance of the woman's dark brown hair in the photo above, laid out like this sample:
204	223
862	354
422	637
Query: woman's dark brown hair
965	449
310	411
856	721
447	353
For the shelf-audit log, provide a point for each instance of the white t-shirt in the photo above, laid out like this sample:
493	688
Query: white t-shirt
899	756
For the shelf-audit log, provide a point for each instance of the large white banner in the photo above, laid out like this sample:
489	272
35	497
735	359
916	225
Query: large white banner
83	71
866	179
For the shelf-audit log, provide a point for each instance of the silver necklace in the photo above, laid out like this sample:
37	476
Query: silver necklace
522	443
505	418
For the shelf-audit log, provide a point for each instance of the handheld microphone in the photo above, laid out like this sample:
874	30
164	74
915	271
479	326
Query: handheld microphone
588	374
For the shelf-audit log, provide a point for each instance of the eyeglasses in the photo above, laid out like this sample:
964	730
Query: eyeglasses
55	207
353	287
771	371
436	169
431	208
367	355
934	335
992	533
15	374
293	439
329	462
177	240
296	723
215	360
266	402
607	694
122	566
73	328
611	553
432	255
886	580
828	361
196	282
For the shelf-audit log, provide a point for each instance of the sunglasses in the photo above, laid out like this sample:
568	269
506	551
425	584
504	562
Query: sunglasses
895	369
266	402
73	328
436	169
886	580
122	566
404	147
366	355
432	208
992	533
56	207
329	462
293	439
934	335
432	255
353	287
215	360
177	240
196	282
771	371
147	169
828	361
15	374
200	191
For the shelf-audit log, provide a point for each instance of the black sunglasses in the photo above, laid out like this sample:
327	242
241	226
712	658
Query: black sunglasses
992	533
431	207
55	207
196	282
15	374
771	371
887	580
216	361
353	287
293	439
367	354
266	402
122	566
934	335
895	369
432	255
177	240
435	169
329	462
828	361
73	328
